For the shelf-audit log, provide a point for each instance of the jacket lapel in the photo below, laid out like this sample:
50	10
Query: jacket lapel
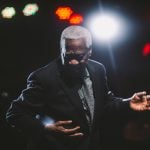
96	88
73	97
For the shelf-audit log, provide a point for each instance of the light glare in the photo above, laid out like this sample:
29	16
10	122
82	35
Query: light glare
105	27
45	120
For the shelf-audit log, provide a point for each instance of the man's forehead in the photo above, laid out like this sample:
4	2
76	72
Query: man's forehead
76	42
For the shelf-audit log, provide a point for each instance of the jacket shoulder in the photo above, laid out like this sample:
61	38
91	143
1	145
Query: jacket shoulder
45	71
97	64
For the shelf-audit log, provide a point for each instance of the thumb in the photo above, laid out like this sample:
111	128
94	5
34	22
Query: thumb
144	98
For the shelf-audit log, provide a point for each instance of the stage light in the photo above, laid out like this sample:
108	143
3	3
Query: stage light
8	12
30	9
146	49
76	19
64	13
105	26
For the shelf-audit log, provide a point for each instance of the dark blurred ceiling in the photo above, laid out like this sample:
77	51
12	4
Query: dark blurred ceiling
31	42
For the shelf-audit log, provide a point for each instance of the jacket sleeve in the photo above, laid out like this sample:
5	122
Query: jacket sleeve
22	112
112	103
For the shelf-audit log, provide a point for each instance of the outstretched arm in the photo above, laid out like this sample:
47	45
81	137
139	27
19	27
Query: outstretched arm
140	101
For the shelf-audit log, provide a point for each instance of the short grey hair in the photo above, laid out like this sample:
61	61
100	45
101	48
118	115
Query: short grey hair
74	32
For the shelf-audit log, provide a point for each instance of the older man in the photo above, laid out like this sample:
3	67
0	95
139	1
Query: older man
62	106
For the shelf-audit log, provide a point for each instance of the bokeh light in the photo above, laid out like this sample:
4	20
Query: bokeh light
8	12
30	9
64	13
146	49
76	19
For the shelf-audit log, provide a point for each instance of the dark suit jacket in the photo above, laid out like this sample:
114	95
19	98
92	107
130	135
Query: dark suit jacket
48	94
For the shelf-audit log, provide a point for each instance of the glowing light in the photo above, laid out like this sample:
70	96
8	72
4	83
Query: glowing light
105	27
8	12
46	120
76	19
30	9
146	50
64	13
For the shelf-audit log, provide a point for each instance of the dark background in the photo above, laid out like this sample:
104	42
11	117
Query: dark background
27	43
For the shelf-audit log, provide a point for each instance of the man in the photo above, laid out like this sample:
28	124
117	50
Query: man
62	106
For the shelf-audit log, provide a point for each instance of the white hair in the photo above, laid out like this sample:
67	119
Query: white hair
74	32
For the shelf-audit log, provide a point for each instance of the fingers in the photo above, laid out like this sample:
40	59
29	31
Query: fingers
144	99
73	130
144	105
148	108
140	94
140	101
59	123
70	132
76	135
148	97
58	126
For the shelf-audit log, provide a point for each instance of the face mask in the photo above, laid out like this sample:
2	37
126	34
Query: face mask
74	72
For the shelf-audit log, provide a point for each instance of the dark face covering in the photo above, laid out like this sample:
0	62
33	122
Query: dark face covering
74	72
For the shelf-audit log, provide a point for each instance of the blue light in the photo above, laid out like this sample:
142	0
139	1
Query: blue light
46	120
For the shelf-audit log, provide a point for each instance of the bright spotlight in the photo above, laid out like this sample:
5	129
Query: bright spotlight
8	12
30	9
105	27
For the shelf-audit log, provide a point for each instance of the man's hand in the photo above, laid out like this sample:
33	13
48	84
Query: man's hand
58	127
140	101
